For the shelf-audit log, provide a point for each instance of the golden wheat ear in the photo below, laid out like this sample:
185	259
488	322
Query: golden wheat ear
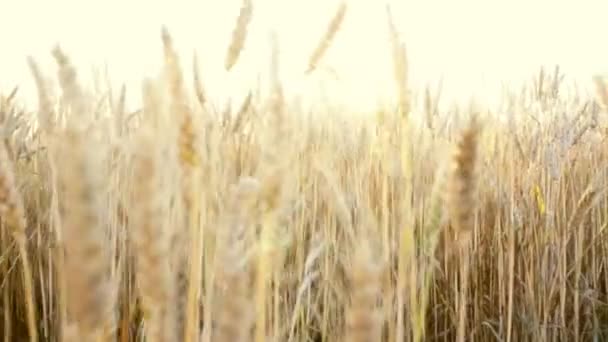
13	214
190	163
462	182
327	38
601	91
239	35
150	240
45	104
196	80
233	314
80	182
73	93
400	64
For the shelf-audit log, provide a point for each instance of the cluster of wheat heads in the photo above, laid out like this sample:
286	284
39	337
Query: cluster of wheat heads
177	223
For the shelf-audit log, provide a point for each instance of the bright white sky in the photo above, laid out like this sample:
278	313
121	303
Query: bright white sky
474	44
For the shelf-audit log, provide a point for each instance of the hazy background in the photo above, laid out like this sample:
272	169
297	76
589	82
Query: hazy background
475	45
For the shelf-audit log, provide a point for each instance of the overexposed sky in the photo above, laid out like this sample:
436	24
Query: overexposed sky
473	44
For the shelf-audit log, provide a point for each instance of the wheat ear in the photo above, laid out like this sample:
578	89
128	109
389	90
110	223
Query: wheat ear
400	68
461	207
462	182
13	213
326	40
198	84
190	166
87	259
45	104
233	313
239	34
68	80
153	274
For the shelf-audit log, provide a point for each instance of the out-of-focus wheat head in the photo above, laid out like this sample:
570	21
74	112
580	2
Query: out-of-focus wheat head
582	206
601	90
45	103
80	181
179	107
73	94
400	67
276	102
12	213
239	34
326	40
461	186
190	162
233	307
601	95
196	80
11	205
150	238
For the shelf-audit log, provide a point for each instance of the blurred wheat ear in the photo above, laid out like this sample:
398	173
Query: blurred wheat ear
14	219
239	34
150	239
81	188
462	183
327	38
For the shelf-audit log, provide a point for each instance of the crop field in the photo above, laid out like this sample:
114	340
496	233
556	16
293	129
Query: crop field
265	221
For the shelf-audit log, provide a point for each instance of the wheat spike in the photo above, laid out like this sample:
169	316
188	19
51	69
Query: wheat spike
13	215
198	84
190	167
233	313
178	104
151	241
277	101
462	182
72	90
583	205
87	258
601	91
11	206
326	40
45	104
400	70
239	34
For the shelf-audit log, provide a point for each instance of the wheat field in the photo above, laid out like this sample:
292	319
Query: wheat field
265	222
